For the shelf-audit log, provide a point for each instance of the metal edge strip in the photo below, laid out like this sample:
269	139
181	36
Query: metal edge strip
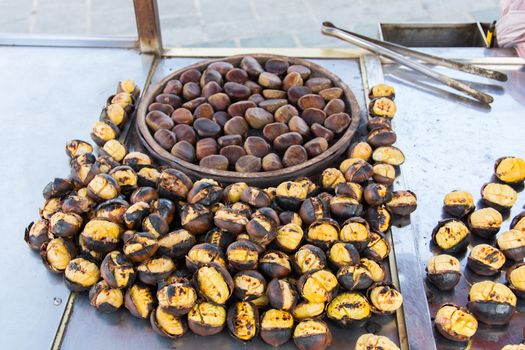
68	310
124	42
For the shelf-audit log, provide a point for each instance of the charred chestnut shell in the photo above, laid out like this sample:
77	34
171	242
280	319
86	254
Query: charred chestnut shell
354	277
243	255
154	269
458	203
378	218
135	214
377	270
148	176
255	197
384	298
382	90
492	303
276	327
139	300
165	208
231	220
176	244
126	177
485	222
350	189
144	194
275	264
117	270
202	254
485	260
309	258
281	294
103	187
65	224
382	107
220	238
249	285
376	194
105	298
290	195
58	188
196	218
356	170
102	235
402	203
343	207
378	247
140	246
80	274
323	233
512	244
205	192
207	319
341	254
176	297
313	209
443	271
214	283
261	229
75	148
349	309
243	320
137	160
356	231
36	234
371	341
518	222
167	324
451	235
516	279
455	323
174	184
312	334
318	286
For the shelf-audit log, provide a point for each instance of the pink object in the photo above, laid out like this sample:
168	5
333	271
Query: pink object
510	29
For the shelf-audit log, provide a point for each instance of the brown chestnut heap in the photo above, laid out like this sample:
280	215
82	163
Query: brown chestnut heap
249	117
198	256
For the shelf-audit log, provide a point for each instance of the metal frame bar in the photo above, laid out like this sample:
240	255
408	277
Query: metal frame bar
148	26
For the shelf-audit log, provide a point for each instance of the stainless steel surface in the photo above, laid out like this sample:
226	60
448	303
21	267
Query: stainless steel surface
450	144
50	95
148	26
410	278
435	60
329	29
129	332
122	42
434	34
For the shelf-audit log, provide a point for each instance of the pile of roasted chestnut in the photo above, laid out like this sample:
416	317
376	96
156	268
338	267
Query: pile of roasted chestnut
248	118
490	302
194	254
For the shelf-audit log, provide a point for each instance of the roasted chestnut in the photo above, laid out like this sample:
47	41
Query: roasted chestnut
249	285
388	154
290	195
312	335
58	188
219	238
512	244
139	300
376	269
361	150
65	224
458	203
281	294
231	220
153	270
376	194
137	160
144	194
382	107
243	320
485	260
318	286
232	193
402	203
355	277
76	148
148	176
350	189
135	214
103	187
165	208
516	279
384	173
176	244
205	192
104	131
349	309
275	264
443	271
510	170
202	254
341	254
140	246
518	222
115	149
323	233
167	325
174	184
176	297
276	327
331	177
499	196
378	247
307	310
384	298
113	210
382	90
455	323
491	302
289	237
105	298
309	258
196	218
313	209
256	197
80	274
451	235
356	170
485	222
214	283
117	270
101	235
37	233
378	218
356	231
261	229
243	255
371	341
207	319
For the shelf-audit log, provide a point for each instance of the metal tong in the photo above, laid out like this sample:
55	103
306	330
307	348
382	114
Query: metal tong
398	52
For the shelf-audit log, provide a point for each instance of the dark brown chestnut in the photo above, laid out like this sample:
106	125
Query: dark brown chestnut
491	302
312	334
249	285
443	271
196	218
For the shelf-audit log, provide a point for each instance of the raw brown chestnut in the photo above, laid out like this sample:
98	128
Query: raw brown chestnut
251	66
443	271
215	161
286	140
271	161
185	133
182	116
295	155
243	320
157	120
282	294
303	71
256	146
206	318
276	66
337	122
248	164
311	101
237	75
455	323
312	334
165	138
184	150
297	124
292	79
296	92
313	115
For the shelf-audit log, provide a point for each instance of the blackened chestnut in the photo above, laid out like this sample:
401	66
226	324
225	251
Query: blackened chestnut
117	270
243	320
491	302
341	254
354	277
57	253
174	184
276	327
176	244
275	264
202	254
323	233
249	285
458	203
379	218
167	324
384	298
355	230
105	298
140	246
312	334
402	203
372	341
243	255
154	269
376	194
378	247
282	294
65	224
443	271
485	260
196	218
75	148
37	233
